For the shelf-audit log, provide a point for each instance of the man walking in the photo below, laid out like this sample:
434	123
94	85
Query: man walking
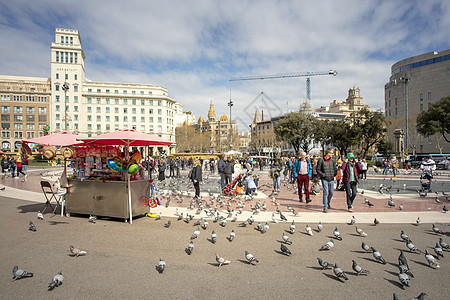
228	171
220	169
302	173
350	169
327	170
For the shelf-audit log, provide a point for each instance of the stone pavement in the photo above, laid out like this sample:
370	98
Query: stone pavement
429	211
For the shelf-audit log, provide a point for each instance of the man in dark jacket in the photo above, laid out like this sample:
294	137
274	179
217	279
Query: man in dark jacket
196	176
228	171
351	168
220	169
327	170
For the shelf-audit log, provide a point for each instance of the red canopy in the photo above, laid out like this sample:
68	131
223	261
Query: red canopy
127	137
62	138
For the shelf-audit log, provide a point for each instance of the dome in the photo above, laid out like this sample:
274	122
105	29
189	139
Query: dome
211	113
223	117
200	120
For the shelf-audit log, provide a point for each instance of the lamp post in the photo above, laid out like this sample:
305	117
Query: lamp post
65	88
405	81
230	104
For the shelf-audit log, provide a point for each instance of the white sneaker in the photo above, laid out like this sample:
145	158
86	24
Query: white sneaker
17	177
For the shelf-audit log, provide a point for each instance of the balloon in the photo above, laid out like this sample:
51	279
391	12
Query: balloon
133	168
159	200
115	164
136	157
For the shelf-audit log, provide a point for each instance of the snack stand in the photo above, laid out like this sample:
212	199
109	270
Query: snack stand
109	185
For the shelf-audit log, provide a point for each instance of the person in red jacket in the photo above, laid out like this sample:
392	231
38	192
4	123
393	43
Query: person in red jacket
350	171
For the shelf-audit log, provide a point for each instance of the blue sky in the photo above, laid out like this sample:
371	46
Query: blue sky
194	47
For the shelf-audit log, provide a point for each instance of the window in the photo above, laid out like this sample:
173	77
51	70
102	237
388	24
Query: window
89	109
75	126
150	111
116	118
57	87
142	102
142	128
108	127
67	39
57	116
125	118
89	118
395	101
159	102
57	107
159	120
30	118
18	134
149	92
143	119
108	118
150	119
99	109
99	118
75	99
116	101
75	108
89	90
133	102
57	75
116	91
75	88
18	126
6	125
5	118
42	110
133	119
42	118
5	109
133	110
421	107
116	110
159	111
124	91
30	135
421	97
67	76
106	91
133	92
75	117
99	90
75	77
18	118
429	95
107	100
17	109
142	110
125	101
89	100
390	102
57	98
76	60
150	102
89	126
99	101
107	109
99	127
30	110
396	111
142	92
57	57
125	110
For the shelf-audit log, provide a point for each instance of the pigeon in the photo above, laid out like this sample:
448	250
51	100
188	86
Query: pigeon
438	250
365	247
167	225
232	235
376	222
213	237
352	221
443	245
360	231
92	219
286	239
395	296
411	246
391	203
405	269
273	218
319	227
161	266
180	217
76	252
403	278
234	218
420	297
259	226
292	227
190	247
437	200
402	259
57	281
40	216
436	229
401	206
358	269
325	265
339	273
431	260
221	261
250	258
282	217
198	222
418	222
19	274
377	255
285	250
158	217
445	209
327	246
205	224
196	233
31	226
337	234
2	188
223	223
265	228
308	230
403	236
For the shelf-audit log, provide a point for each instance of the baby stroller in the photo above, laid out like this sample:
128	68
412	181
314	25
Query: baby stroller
425	182
230	189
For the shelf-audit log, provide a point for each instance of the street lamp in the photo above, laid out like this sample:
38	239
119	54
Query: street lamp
230	104
65	88
405	81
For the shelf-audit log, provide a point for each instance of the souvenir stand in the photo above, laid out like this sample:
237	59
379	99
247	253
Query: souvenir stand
106	180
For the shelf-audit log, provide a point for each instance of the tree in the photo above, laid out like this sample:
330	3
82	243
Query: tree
296	129
385	148
322	133
371	127
341	135
436	119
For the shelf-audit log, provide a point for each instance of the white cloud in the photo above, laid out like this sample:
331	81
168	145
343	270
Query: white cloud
194	47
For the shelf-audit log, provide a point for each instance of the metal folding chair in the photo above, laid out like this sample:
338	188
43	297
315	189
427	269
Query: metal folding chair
49	195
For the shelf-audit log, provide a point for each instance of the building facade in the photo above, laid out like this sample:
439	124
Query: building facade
25	107
415	83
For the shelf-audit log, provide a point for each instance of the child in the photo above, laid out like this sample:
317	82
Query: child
315	187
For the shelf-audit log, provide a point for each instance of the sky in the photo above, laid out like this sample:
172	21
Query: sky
193	48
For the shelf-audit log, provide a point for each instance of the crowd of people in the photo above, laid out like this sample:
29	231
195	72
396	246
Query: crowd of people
14	165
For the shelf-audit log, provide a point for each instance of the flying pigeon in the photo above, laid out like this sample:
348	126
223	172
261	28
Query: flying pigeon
438	250
76	252
420	297
292	227
308	230
327	246
404	269
250	258
358	269
31	226
376	222
190	247
377	255
431	260
411	246
443	244
285	250
213	237
337	234
221	261
319	227
325	265
352	220
339	273
265	228
232	236
365	247
360	231
40	216
437	230
167	225
57	281
19	274
403	278
286	239
161	266
92	219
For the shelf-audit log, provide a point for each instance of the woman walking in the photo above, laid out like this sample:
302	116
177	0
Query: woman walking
275	169
196	176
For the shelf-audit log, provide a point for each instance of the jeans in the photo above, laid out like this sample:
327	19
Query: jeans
222	180
328	190
393	170
350	190
25	168
276	183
